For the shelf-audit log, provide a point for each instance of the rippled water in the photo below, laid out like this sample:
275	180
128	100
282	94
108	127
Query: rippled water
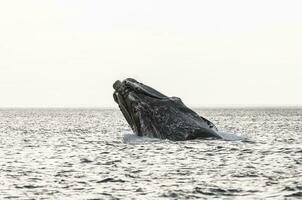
90	154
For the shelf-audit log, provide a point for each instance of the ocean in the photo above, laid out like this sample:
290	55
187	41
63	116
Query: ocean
92	154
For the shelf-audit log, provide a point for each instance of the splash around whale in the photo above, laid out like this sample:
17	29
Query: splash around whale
153	114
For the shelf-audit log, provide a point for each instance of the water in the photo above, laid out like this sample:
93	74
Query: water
91	154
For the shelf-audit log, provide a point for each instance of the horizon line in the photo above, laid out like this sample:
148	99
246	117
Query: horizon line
191	106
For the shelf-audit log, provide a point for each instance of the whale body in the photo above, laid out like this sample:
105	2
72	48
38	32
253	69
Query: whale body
153	114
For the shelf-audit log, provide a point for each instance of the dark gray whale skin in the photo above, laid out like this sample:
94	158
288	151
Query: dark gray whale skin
152	114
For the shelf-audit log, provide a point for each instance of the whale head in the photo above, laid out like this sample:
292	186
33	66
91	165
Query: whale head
153	114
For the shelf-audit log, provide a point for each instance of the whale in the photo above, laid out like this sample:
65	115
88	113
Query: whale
152	114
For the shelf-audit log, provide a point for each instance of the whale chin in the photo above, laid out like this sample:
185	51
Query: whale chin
153	114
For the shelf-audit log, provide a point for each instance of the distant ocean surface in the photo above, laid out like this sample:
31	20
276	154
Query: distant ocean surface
92	154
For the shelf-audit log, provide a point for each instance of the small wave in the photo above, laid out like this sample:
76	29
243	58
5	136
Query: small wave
110	180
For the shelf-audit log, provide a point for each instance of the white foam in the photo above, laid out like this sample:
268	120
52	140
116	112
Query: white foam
131	138
229	136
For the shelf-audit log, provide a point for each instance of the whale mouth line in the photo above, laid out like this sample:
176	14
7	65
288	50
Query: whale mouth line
121	101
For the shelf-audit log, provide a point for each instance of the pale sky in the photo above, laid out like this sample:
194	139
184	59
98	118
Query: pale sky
68	53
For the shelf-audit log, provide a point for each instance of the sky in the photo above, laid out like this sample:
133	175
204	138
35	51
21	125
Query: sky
68	53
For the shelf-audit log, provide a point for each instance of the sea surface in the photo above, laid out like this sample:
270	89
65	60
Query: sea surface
92	154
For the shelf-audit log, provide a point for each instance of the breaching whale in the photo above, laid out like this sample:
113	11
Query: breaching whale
153	114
